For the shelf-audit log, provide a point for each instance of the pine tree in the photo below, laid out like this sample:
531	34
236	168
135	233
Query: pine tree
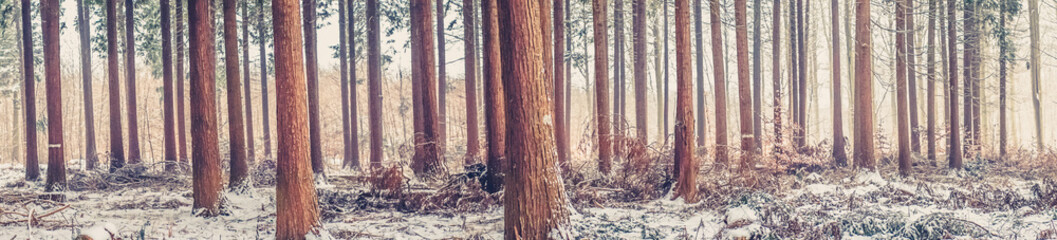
29	95
839	156
117	152
130	77
83	12
169	118
605	147
721	83
206	152
687	168
473	148
495	113
49	27
236	129
374	82
954	150
864	136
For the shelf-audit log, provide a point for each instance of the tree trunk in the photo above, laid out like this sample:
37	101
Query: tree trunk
442	81
117	151
757	88
1002	58
801	130
265	127
741	35
700	65
170	129
967	101
428	160
619	89
473	149
776	74
533	177
374	82
912	82
902	126
205	153
639	31
666	82
236	134
930	97
658	76
251	151
90	155
720	85
839	156
495	113
864	136
181	127
29	95
605	146
794	70
312	76
130	77
354	126
49	16
1036	87
954	151
297	211
684	128
346	122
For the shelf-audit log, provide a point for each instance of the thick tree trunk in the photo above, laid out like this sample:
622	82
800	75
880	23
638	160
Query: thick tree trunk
776	72
346	122
954	150
495	113
473	148
741	35
1036	91
428	160
605	147
639	31
49	27
902	126
930	97
251	151
236	135
167	88
297	211
29	92
83	13
686	177
864	125
699	45
374	82
312	77
912	82
205	153
442	81
117	150
181	126
265	120
533	178
130	76
839	156
720	84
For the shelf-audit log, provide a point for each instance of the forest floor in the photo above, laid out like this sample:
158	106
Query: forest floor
795	198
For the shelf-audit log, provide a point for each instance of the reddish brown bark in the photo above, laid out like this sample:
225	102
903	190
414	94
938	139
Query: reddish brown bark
839	155
605	147
864	134
29	97
167	88
428	160
495	113
684	124
533	178
49	16
90	155
560	127
236	134
473	148
297	211
206	152
741	35
374	82
117	150
130	77
721	82
902	126
312	76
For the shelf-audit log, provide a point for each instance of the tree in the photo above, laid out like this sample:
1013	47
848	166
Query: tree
665	90
167	87
741	35
495	113
374	82
954	149
684	128
206	152
659	75
721	83
29	94
757	89
442	81
297	211
91	157
117	150
639	29
700	48
776	73
354	161
533	178
266	127
864	135
346	122
179	69
312	76
839	156
1007	10
473	148
130	77
560	128
930	97
605	146
902	126
427	160
49	16
251	151
794	93
1036	87
619	78
801	108
969	24
912	82
236	134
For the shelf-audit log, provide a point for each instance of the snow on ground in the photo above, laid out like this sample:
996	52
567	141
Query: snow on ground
799	205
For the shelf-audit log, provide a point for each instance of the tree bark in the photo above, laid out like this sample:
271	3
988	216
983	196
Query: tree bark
839	156
930	97
619	78
1036	87
495	113
801	130
605	147
757	88
353	112
117	150
374	82
473	149
639	31
969	24
686	177
560	128
346	121
776	73
428	160
954	150
297	211
29	92
205	153
167	88
251	151
902	126
864	136
533	178
666	82
721	83
312	76
442	81
130	77
699	45
912	82
265	120
741	35
236	135
181	127
49	16
1002	58
83	12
